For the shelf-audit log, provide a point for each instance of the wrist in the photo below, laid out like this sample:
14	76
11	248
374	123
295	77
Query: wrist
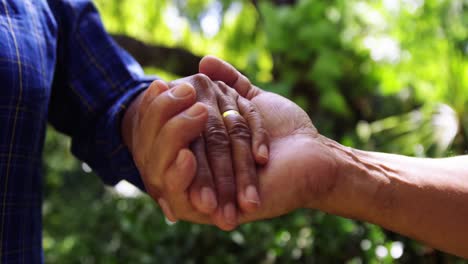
129	121
322	179
359	180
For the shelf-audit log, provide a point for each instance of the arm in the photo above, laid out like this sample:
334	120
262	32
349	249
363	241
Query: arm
426	199
96	82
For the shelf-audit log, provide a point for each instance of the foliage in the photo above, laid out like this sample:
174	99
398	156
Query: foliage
381	75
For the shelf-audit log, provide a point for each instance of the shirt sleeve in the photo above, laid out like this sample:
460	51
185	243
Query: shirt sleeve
94	82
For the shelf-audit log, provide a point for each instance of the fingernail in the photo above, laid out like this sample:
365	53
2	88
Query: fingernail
208	198
195	110
167	210
182	91
230	214
263	151
251	195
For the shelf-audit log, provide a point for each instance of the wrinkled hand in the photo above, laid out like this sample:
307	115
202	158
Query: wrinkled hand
224	152
285	182
223	149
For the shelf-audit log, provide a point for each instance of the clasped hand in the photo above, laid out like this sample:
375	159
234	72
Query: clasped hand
203	168
196	164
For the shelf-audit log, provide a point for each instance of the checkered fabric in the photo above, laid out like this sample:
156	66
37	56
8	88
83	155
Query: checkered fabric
57	64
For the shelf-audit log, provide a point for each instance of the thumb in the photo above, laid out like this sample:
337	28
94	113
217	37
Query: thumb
219	70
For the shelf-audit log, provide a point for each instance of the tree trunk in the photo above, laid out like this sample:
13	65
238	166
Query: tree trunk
175	60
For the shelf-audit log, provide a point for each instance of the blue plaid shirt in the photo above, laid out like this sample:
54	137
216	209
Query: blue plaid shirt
57	64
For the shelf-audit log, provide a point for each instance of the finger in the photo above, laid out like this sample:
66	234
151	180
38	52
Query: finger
163	107
159	110
219	157
218	154
180	175
167	211
202	194
243	160
185	166
244	165
178	164
153	91
220	70
199	80
177	134
260	138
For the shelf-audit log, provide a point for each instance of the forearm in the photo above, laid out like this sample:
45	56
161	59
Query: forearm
426	199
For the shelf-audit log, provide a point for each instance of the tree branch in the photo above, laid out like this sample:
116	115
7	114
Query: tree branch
175	60
277	2
284	2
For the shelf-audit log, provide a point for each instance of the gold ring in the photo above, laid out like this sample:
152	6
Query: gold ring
230	112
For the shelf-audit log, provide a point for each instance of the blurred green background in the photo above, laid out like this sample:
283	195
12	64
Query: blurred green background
384	75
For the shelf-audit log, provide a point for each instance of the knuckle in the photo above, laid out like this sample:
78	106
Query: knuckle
222	87
253	115
227	92
202	85
239	130
232	93
212	114
217	136
217	140
202	80
261	133
226	184
225	102
251	110
247	108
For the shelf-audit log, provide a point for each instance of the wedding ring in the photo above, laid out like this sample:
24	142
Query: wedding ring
230	112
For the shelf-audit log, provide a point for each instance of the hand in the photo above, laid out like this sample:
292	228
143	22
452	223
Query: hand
158	129
301	169
151	116
224	147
